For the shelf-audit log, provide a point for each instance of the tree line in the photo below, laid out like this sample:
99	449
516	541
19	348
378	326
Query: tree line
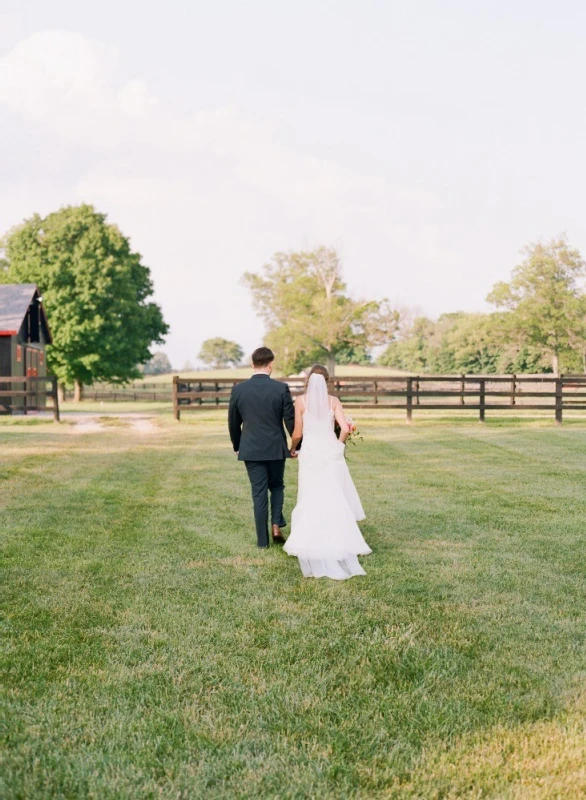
97	293
539	324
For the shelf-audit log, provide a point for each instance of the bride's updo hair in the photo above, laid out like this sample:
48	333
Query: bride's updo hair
317	369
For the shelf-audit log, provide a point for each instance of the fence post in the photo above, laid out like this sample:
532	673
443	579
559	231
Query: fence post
25	397
217	390
376	393
462	388
559	388
409	400
513	389
176	413
482	392
417	400
55	396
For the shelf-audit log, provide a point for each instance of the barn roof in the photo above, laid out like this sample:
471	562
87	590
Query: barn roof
15	299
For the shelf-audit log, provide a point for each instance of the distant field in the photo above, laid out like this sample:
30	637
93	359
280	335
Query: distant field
348	371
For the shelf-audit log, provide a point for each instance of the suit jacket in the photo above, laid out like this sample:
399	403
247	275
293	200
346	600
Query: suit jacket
258	408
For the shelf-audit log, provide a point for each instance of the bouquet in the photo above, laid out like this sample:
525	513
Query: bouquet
354	435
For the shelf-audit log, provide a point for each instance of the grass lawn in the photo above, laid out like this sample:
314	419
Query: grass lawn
117	407
150	650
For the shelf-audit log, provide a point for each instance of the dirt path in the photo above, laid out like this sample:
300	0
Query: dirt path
87	425
98	423
143	424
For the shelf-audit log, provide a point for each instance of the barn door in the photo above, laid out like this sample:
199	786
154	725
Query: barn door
32	371
28	362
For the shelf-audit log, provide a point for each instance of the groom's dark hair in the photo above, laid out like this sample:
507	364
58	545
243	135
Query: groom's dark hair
262	357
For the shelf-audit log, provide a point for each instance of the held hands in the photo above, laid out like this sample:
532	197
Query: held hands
294	453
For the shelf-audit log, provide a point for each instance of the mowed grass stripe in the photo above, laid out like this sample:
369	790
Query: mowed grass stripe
154	651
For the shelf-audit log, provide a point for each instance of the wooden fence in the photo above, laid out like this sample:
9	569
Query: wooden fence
414	393
25	394
145	392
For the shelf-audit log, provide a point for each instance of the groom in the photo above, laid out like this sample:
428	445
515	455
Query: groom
258	408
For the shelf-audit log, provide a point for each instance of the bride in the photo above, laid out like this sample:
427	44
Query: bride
324	534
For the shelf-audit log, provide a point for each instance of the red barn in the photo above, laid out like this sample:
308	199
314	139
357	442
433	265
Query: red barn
24	335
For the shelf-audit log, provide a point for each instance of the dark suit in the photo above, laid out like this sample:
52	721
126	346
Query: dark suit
258	408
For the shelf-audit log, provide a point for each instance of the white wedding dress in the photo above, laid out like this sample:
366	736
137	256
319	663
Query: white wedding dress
324	534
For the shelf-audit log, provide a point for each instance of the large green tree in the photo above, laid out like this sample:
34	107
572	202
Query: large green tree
220	353
96	292
309	313
544	301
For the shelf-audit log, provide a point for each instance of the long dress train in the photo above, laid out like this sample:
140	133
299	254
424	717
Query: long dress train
324	534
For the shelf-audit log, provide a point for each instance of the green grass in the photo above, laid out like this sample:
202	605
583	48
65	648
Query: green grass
117	407
150	650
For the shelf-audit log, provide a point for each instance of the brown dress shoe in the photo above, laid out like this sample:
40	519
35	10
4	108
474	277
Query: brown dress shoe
278	537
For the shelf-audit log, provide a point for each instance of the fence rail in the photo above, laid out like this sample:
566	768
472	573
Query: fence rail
24	394
138	391
413	393
125	394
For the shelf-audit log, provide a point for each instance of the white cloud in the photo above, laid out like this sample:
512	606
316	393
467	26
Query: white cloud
69	82
250	149
118	190
53	71
135	100
204	196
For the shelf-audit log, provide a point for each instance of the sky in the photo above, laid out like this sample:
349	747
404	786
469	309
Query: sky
429	141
